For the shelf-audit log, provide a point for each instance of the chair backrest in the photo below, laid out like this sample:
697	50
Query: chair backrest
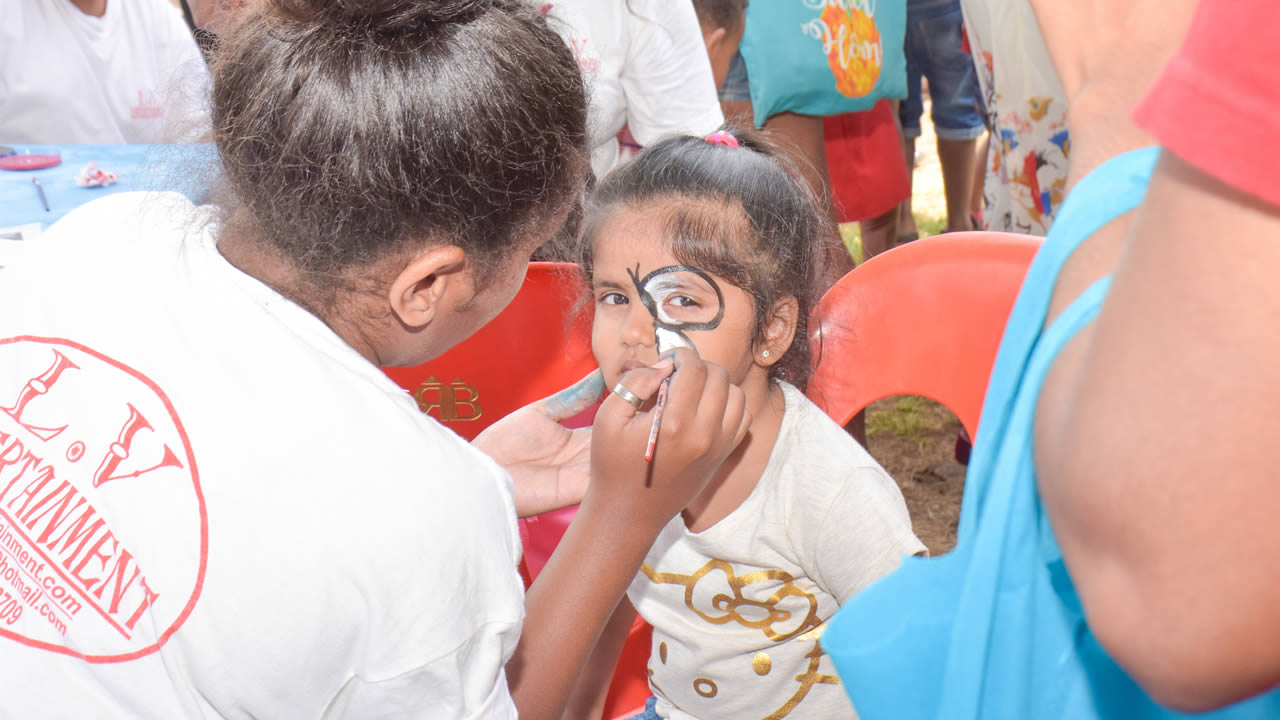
537	345
925	318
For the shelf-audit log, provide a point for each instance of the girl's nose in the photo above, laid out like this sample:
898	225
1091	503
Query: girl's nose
639	327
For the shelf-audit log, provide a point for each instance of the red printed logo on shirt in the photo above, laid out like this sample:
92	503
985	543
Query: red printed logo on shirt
103	530
587	63
148	106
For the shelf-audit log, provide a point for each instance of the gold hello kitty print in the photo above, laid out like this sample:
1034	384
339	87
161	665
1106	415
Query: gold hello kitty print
716	594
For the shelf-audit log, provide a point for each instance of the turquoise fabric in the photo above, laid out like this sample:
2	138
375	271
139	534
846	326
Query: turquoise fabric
994	629
786	46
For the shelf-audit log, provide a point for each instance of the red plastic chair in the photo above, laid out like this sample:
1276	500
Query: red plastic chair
539	344
925	318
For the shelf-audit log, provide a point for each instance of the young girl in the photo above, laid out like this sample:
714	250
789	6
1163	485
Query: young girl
712	244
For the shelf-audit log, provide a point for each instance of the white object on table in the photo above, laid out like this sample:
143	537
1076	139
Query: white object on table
14	239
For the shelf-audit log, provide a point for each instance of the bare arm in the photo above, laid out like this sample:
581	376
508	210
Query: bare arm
570	604
801	138
1156	428
1157	456
626	505
592	690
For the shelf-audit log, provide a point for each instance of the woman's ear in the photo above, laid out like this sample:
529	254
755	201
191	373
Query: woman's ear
417	290
779	331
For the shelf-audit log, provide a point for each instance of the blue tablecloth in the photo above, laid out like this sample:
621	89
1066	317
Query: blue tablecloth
188	169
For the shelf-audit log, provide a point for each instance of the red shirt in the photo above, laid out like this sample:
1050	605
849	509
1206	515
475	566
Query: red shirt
1217	105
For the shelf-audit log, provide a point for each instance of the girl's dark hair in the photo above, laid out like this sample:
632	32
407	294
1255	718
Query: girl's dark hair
739	213
351	129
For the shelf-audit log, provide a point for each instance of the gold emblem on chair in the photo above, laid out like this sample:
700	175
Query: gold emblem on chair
454	402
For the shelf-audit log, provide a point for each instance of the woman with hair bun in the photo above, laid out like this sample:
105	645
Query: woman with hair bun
212	501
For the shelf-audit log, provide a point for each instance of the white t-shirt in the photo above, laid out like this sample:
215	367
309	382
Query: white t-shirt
207	492
738	609
646	67
133	75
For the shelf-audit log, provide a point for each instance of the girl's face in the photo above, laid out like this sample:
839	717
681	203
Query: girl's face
647	301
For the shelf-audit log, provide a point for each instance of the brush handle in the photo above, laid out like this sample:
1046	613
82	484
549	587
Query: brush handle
40	189
657	420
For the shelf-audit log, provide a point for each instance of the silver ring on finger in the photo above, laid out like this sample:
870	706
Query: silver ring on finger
632	399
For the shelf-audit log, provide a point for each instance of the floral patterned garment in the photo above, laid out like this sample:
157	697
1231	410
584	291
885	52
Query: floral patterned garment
1027	113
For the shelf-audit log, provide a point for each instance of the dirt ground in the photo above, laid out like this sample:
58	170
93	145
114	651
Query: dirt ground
914	438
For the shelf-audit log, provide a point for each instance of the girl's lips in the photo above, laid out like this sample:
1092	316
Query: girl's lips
632	365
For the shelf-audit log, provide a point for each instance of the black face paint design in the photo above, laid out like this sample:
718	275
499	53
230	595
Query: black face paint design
669	332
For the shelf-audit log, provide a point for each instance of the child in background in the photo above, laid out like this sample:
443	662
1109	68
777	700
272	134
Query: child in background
723	22
852	157
645	70
710	244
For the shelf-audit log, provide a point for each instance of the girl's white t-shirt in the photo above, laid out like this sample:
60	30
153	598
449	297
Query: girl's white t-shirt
738	609
134	75
646	68
212	506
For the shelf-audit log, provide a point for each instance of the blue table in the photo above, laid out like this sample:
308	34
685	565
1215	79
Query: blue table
188	169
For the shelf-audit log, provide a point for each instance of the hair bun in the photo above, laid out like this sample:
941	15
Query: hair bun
387	15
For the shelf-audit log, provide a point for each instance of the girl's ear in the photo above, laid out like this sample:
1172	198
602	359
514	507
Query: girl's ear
779	331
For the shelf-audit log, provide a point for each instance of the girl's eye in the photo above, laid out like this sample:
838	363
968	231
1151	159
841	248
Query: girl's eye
682	301
612	298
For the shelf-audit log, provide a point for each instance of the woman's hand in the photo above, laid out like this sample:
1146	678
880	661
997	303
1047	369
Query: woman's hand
704	419
549	463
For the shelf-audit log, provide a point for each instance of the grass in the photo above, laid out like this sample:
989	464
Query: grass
851	234
909	417
904	416
926	225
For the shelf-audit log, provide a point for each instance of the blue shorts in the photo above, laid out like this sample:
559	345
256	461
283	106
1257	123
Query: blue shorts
735	87
935	50
649	712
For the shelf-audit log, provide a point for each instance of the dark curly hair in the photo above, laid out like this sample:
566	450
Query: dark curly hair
352	129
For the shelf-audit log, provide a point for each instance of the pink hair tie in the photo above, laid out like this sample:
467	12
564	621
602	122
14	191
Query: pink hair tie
722	137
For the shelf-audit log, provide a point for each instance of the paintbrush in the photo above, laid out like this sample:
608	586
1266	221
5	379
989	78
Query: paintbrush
657	419
40	189
666	340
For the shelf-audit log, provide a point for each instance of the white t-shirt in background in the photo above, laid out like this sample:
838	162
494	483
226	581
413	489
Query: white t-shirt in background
234	514
133	75
646	68
738	609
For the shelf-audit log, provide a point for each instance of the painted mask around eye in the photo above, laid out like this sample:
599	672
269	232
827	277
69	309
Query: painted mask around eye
680	298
